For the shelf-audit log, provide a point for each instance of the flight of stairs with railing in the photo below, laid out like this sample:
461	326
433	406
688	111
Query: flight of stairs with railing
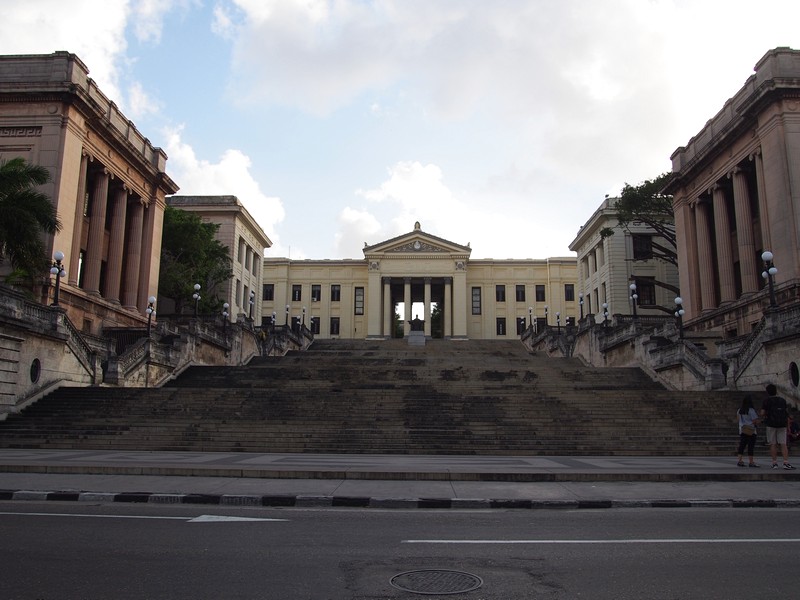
355	396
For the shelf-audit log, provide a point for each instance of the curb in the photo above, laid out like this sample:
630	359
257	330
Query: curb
305	501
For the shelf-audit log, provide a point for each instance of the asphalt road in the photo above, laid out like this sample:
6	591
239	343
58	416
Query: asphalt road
65	551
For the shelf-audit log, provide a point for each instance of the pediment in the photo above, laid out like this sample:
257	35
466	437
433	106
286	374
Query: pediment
416	242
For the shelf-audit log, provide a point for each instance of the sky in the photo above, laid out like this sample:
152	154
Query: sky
500	124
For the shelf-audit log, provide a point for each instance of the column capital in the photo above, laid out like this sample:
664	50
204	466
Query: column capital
386	280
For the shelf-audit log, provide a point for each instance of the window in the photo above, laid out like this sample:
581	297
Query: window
334	325
642	246
359	301
501	325
540	296
238	293
314	325
476	301
297	293
646	290
520	293
240	255
316	293
500	293
336	292
569	292
268	292
522	325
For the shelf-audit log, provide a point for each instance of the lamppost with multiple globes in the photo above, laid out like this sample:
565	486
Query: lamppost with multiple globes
545	313
530	316
769	272
634	297
605	314
287	315
274	316
58	270
558	323
580	302
679	312
225	315
150	310
196	297
303	318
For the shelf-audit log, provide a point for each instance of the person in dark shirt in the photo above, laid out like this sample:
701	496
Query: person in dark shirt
776	417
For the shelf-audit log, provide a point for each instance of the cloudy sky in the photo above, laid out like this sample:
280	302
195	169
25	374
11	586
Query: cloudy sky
502	123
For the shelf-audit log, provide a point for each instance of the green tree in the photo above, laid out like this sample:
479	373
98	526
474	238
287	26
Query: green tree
190	253
647	204
25	214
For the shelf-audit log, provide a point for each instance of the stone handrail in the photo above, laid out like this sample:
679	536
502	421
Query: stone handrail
78	346
133	357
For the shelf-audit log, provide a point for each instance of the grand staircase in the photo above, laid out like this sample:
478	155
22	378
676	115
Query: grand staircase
447	397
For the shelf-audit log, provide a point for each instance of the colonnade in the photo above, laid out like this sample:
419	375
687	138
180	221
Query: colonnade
723	239
126	250
408	298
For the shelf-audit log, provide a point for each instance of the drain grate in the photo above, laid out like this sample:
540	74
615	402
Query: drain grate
436	582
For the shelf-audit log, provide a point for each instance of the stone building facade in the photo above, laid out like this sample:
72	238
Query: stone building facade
245	239
108	186
608	265
736	188
478	299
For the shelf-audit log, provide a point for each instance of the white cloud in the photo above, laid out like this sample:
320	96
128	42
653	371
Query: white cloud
355	228
79	26
230	176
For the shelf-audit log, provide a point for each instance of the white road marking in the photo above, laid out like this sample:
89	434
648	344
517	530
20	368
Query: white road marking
630	541
200	519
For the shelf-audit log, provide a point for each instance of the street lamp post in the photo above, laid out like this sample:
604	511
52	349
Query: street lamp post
679	312
58	270
274	315
196	297
769	272
545	314
287	315
150	310
530	316
558	323
605	314
225	315
303	319
580	302
634	297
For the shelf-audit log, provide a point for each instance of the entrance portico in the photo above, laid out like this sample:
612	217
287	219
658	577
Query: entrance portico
413	268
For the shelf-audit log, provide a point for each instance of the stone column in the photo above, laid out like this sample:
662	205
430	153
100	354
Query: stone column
388	320
727	282
77	227
460	301
146	263
97	230
133	256
427	308
407	306
448	307
116	244
744	233
705	257
763	210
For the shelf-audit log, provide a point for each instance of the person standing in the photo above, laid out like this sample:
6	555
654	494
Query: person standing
775	416
748	418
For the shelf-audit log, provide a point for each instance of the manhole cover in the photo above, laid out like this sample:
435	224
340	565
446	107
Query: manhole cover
436	582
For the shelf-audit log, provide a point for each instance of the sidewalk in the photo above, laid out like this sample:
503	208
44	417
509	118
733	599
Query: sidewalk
392	481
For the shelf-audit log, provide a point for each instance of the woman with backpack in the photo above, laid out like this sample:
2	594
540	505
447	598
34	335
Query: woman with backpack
747	418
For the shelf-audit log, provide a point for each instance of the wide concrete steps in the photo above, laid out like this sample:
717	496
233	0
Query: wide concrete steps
461	398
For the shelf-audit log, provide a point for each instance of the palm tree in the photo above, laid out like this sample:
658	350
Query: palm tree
25	213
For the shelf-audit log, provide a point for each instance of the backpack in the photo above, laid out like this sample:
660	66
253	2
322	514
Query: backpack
777	415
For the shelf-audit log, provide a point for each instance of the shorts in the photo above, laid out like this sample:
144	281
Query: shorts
776	435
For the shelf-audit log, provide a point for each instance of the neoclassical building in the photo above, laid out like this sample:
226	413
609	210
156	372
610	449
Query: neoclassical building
736	188
246	240
607	265
108	186
425	274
